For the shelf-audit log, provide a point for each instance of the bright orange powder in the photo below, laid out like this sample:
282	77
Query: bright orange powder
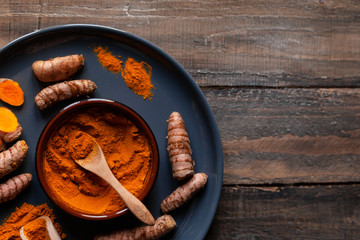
36	230
108	60
137	76
27	213
126	150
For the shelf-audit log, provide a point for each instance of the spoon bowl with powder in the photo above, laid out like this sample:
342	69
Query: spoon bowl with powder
95	162
42	227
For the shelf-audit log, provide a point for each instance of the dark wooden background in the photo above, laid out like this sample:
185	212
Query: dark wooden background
282	79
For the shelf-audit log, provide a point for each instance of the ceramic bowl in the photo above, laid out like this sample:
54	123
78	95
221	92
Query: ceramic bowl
110	106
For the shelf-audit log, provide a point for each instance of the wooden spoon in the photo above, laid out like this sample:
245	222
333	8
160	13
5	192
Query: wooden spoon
49	226
95	162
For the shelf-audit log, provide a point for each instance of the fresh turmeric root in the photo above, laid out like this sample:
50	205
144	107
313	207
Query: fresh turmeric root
11	92
163	225
14	186
184	193
10	129
179	148
2	145
57	69
62	91
13	157
11	136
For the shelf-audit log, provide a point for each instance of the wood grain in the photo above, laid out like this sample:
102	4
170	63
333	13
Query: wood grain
223	43
308	212
288	135
282	78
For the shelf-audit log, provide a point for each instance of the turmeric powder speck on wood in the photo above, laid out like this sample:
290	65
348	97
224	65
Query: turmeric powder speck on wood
10	229
137	76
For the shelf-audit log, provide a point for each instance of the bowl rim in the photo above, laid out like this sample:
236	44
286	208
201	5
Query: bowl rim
93	102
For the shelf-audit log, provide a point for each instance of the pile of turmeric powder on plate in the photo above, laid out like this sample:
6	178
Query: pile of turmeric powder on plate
137	75
126	149
108	60
10	229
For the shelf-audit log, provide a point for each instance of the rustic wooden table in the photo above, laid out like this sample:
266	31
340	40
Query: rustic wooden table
282	80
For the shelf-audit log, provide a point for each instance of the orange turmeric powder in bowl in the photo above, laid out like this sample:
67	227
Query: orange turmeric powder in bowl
128	145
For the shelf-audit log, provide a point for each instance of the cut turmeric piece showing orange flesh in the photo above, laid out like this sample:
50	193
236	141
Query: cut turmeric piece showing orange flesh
11	92
8	120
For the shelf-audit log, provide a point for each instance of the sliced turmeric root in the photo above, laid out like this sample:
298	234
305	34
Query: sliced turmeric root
10	129
8	120
11	92
14	186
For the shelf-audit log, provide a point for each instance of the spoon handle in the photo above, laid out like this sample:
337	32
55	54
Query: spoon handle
54	235
22	235
132	202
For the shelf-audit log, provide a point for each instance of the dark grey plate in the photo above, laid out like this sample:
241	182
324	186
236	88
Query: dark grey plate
175	91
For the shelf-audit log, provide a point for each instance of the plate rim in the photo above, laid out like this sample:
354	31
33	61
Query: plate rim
208	112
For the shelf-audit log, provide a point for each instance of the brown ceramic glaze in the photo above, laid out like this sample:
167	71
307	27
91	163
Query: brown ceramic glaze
111	106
